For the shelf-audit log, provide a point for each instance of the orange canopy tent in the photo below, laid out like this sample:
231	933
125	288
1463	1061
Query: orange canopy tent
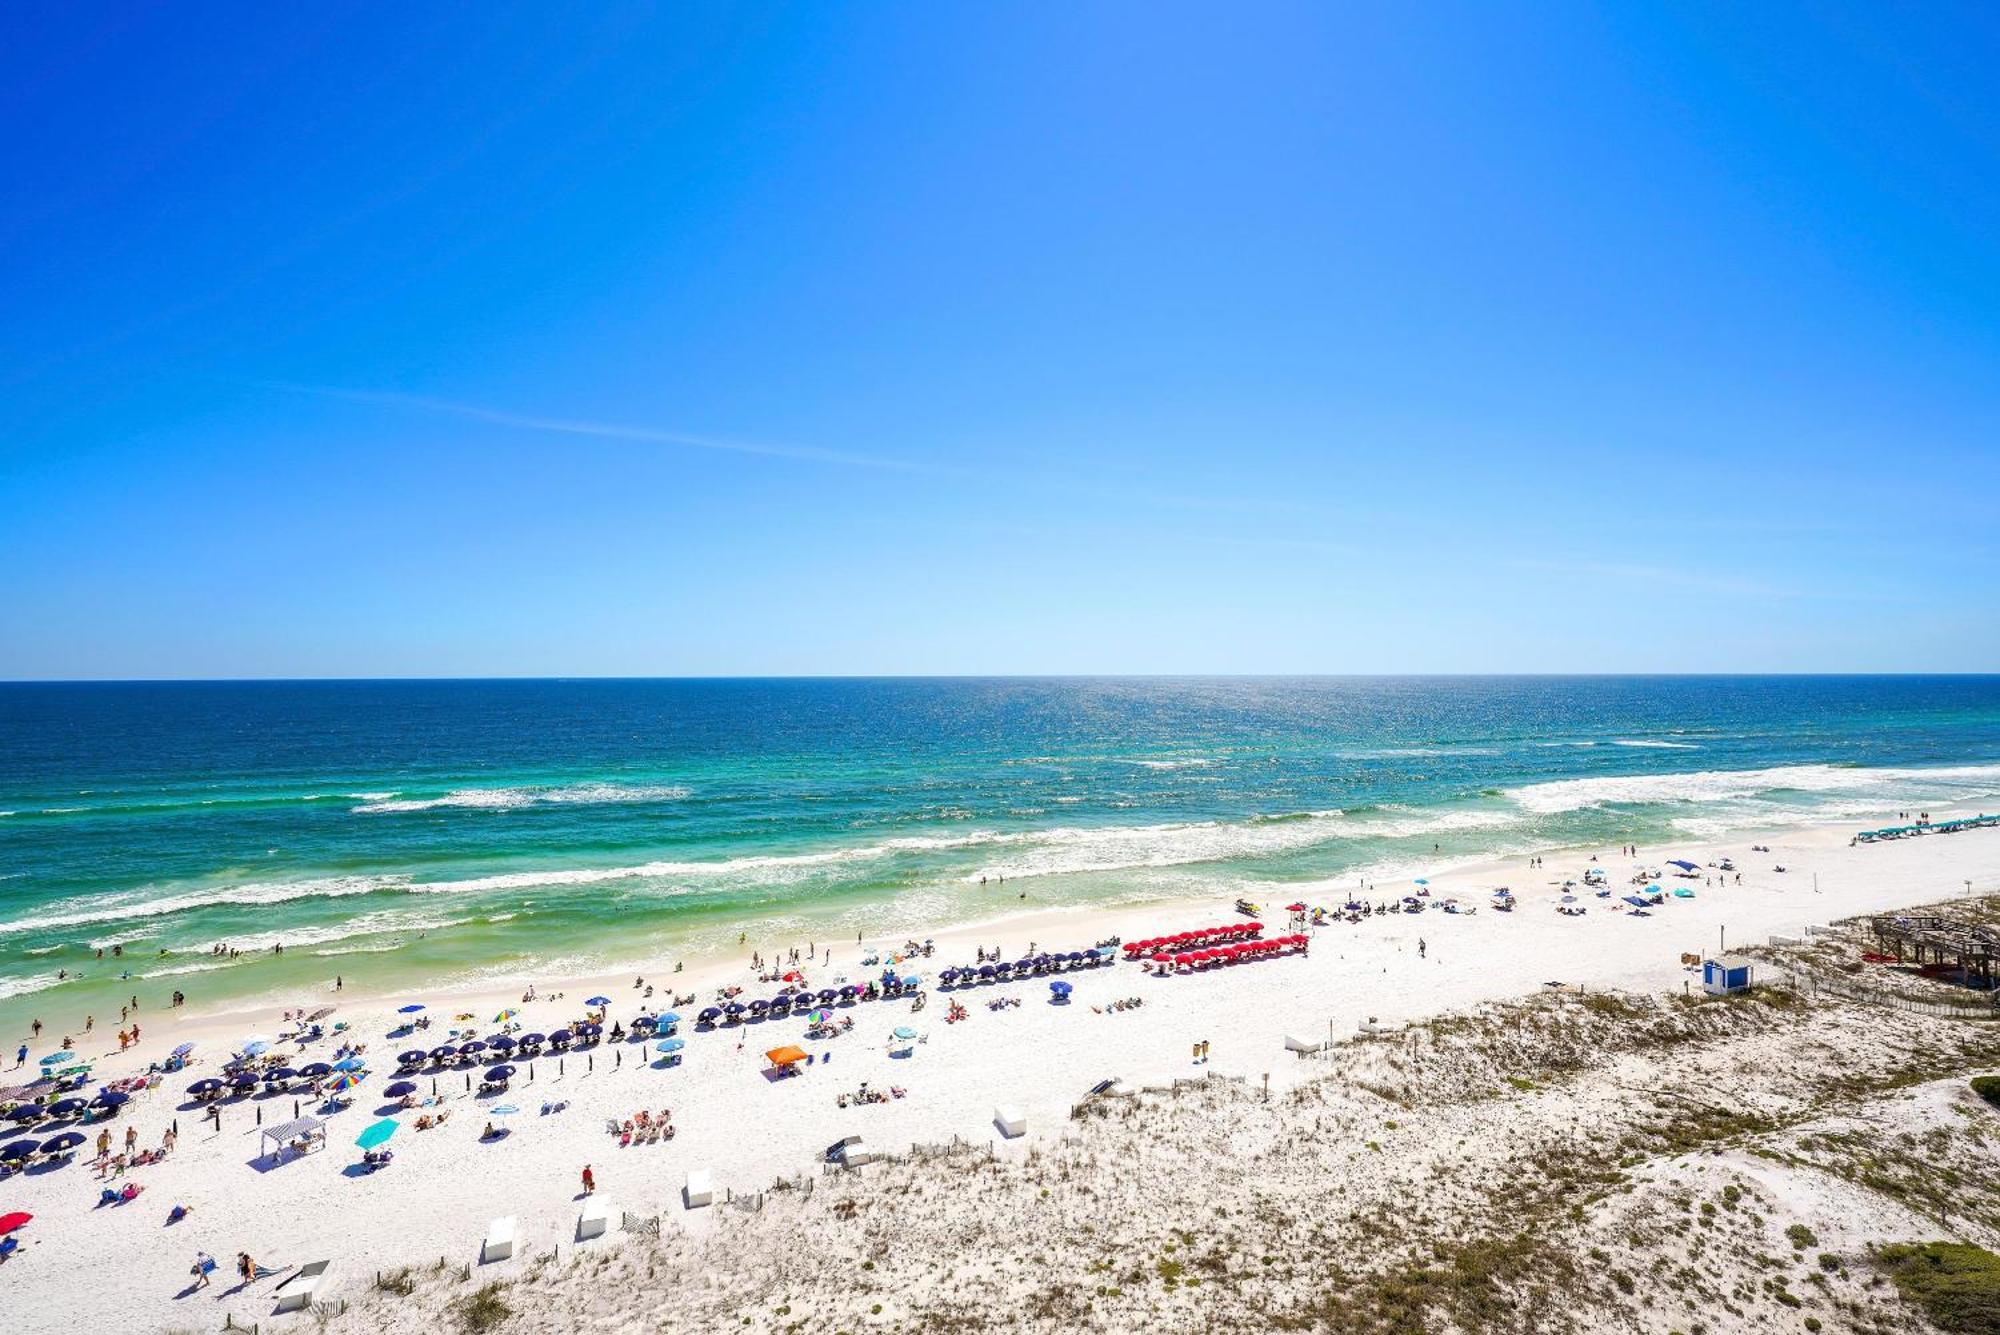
786	1056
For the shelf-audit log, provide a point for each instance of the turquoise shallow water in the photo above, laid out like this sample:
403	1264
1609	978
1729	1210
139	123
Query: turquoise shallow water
394	831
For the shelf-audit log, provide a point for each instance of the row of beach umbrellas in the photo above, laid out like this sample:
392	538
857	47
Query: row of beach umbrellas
1200	936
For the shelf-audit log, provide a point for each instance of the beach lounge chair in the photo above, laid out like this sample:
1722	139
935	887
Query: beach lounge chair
699	1191
299	1291
1011	1121
857	1154
595	1218
499	1244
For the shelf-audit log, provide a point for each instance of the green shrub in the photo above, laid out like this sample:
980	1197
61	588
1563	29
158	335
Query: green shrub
483	1310
1987	1087
1957	1285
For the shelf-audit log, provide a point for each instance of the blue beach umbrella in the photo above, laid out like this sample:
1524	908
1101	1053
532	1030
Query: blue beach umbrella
1060	989
377	1133
27	1112
670	1018
598	1001
63	1143
671	1044
911	980
499	1073
112	1098
58	1058
410	1009
349	1064
905	1033
315	1070
20	1149
66	1107
255	1047
399	1089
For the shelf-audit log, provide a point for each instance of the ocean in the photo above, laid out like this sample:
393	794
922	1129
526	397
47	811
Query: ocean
414	833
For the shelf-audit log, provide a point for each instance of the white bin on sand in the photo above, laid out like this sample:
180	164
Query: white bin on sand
1011	1121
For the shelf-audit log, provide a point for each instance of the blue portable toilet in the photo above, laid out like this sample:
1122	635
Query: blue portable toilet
1722	975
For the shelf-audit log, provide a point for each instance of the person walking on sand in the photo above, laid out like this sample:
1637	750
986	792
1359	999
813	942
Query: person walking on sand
203	1263
1422	949
21	1057
589	1180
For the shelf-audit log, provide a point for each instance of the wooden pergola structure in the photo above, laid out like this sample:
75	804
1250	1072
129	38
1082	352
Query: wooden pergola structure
1973	950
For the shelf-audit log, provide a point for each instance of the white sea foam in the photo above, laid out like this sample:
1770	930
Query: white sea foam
1885	786
21	987
1073	850
1655	744
507	799
135	904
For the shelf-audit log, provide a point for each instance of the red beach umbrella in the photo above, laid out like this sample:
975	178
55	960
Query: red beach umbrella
1295	908
1183	959
1162	957
10	1222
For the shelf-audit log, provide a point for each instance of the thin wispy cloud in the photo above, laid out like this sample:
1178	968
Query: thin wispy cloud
566	426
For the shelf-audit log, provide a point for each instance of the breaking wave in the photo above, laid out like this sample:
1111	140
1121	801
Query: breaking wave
507	799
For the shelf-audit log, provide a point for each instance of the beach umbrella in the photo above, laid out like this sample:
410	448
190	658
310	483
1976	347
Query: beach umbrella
10	1222
243	1079
377	1133
793	977
183	1050
498	1073
283	1073
400	1089
1162	957
905	1033
204	1085
1061	989
27	1112
414	1057
66	1107
349	1064
760	1005
820	1017
709	1015
671	1044
647	1022
533	1040
59	1058
786	1056
440	1054
20	1149
590	1030
315	1070
598	1001
112	1098
471	1046
340	1084
986	970
828	994
911	980
670	1018
63	1143
500	1042
506	1015
410	1009
559	1039
256	1047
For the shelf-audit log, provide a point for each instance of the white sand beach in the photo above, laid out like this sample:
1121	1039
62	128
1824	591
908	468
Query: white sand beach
125	1267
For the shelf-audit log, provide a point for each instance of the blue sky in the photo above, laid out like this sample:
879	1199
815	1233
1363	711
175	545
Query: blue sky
1033	338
